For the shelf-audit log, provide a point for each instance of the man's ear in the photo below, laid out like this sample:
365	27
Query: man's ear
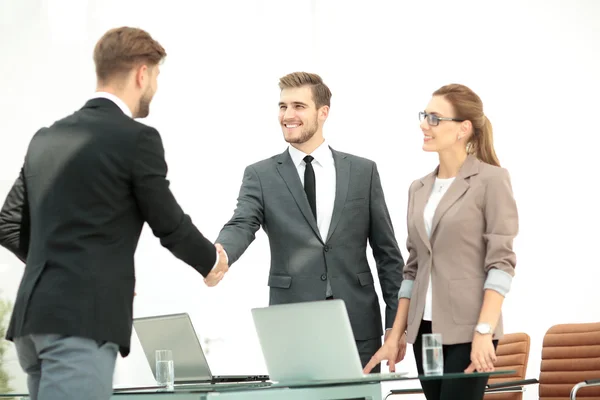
141	75
323	112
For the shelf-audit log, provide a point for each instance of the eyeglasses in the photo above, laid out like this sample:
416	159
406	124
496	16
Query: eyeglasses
434	120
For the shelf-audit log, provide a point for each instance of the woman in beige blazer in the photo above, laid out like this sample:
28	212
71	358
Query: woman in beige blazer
462	219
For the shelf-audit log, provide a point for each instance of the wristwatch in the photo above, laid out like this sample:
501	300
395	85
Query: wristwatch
483	328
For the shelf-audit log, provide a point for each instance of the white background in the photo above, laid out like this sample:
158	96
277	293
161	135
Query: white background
534	63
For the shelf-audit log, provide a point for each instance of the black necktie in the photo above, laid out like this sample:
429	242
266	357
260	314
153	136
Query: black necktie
309	185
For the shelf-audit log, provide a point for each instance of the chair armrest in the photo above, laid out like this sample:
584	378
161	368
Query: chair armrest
509	389
512	383
589	382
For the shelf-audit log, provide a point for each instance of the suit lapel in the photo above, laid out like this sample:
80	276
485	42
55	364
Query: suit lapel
421	197
342	179
456	190
289	173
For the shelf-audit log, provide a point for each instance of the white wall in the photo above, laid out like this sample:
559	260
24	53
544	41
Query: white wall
534	63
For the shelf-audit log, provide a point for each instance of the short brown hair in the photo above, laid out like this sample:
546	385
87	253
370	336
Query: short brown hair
121	49
320	91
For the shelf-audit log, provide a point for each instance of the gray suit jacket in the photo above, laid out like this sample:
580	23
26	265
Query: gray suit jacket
272	196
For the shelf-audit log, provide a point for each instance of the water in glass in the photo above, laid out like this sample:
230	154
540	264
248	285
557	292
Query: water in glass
433	356
165	370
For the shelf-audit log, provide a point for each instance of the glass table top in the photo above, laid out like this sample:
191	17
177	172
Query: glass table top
368	379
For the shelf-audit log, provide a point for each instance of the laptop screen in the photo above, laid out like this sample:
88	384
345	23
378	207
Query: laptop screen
176	333
307	341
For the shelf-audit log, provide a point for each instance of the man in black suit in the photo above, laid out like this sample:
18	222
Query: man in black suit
74	216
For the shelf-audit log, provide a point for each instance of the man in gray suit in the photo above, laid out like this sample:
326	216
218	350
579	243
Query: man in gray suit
319	207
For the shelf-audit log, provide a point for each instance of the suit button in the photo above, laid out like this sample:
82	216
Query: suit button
326	248
324	277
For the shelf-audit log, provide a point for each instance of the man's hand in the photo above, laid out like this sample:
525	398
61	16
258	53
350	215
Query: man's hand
218	272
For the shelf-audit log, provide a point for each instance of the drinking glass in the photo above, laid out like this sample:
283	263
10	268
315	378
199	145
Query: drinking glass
165	371
433	356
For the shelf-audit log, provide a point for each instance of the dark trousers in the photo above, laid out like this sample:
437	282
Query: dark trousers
366	349
457	358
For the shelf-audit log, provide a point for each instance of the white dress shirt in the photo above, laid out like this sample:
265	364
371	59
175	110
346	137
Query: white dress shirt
440	187
325	180
125	108
120	103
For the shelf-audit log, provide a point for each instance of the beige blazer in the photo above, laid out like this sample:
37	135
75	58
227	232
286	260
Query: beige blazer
472	232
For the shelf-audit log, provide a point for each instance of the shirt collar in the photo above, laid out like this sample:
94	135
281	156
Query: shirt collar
120	103
321	155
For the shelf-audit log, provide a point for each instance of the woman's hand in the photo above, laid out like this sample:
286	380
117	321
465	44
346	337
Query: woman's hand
483	354
389	351
401	346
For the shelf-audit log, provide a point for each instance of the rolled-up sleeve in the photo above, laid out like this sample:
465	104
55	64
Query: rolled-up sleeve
499	281
405	289
410	268
502	226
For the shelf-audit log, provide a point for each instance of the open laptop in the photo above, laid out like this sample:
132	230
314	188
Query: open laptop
175	332
311	342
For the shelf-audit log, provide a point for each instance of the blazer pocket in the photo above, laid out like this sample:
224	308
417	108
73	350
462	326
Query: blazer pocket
365	278
466	297
280	281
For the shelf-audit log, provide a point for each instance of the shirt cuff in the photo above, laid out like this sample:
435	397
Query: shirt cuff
498	281
406	289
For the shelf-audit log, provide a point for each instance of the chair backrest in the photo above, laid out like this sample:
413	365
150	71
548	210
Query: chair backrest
570	354
512	354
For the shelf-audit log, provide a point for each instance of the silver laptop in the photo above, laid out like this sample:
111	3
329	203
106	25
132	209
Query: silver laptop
175	332
311	342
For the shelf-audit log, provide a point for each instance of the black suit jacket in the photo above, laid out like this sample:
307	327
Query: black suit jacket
74	216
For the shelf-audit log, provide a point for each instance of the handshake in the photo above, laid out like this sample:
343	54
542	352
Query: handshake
219	270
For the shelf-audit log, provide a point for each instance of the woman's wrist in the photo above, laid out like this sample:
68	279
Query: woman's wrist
396	333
